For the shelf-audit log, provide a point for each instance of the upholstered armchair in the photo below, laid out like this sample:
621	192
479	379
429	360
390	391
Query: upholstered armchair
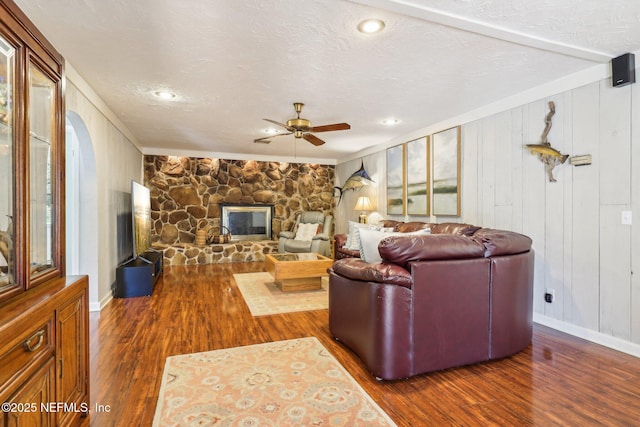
310	234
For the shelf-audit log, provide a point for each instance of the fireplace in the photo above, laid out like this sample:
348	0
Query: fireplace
247	222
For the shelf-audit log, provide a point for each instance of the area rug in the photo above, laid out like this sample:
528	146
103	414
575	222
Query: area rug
284	383
263	297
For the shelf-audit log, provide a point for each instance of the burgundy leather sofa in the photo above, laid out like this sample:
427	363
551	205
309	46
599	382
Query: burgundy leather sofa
458	296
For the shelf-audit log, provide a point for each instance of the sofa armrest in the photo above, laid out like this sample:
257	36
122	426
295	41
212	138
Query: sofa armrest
339	240
287	234
502	242
383	272
320	237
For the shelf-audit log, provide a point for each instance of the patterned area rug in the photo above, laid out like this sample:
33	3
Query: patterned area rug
264	298
285	383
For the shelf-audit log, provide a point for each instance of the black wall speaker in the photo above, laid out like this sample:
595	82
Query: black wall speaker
623	70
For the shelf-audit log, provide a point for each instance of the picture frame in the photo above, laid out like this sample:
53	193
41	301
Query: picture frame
417	170
446	172
396	180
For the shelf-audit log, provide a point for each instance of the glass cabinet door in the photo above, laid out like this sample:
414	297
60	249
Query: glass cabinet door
7	169
31	159
42	148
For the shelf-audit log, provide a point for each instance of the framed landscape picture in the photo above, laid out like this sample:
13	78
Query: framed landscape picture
446	172
395	180
417	172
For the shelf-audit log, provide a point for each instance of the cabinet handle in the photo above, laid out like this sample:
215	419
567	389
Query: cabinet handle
30	346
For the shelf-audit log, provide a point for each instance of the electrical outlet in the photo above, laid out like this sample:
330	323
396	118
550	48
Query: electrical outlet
549	295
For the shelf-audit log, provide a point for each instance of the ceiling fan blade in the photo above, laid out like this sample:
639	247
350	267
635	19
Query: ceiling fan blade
266	139
329	128
313	139
279	124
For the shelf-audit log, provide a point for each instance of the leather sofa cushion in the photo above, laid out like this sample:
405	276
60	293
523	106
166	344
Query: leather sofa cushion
454	228
297	246
408	227
499	242
357	269
402	250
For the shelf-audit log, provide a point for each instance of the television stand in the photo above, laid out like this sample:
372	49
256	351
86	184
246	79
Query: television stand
136	277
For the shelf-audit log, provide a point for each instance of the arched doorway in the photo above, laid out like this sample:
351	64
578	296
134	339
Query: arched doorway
81	205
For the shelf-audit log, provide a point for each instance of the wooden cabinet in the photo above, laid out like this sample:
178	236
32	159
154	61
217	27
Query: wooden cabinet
32	243
44	322
44	359
71	355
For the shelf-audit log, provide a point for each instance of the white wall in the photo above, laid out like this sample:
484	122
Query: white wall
118	162
583	251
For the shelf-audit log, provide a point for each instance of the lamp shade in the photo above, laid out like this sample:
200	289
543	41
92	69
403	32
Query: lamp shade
363	204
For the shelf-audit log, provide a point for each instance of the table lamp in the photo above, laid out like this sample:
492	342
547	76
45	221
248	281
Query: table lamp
363	204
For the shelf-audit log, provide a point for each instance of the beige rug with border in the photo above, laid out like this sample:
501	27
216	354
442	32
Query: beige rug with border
285	383
264	298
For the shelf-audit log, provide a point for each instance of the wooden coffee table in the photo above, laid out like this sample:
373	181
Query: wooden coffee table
294	272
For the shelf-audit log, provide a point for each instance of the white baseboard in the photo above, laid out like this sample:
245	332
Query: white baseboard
589	335
98	306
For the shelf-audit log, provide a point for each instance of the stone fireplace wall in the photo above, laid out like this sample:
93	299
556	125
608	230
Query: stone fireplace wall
186	193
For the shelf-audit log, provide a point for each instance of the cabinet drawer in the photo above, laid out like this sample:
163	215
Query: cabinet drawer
28	401
26	348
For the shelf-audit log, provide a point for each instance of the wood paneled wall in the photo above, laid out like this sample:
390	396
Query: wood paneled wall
583	251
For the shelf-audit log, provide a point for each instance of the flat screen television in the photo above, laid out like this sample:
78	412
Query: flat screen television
124	226
141	218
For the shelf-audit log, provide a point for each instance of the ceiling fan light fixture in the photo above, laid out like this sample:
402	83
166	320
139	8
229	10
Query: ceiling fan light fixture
371	26
301	128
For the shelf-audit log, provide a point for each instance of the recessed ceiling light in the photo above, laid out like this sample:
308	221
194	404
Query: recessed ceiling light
370	26
390	122
164	94
270	131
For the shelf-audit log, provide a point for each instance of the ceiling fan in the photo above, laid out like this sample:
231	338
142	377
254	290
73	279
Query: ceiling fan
301	128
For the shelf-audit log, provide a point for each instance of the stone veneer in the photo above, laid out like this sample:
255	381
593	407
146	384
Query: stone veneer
186	194
244	251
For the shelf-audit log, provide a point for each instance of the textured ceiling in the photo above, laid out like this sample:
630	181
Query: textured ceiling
233	63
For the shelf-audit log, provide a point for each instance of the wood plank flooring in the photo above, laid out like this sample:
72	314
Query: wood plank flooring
559	380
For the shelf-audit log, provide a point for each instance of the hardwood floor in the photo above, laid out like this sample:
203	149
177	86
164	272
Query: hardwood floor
558	380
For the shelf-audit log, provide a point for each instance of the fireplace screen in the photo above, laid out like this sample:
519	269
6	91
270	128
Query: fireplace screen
248	222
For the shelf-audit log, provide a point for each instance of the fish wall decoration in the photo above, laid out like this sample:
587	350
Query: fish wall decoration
546	153
356	181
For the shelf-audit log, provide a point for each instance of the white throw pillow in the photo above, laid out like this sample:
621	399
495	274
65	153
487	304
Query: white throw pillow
353	241
306	231
351	234
369	240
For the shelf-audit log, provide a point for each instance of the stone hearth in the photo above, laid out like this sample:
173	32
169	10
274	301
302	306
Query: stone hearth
245	251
